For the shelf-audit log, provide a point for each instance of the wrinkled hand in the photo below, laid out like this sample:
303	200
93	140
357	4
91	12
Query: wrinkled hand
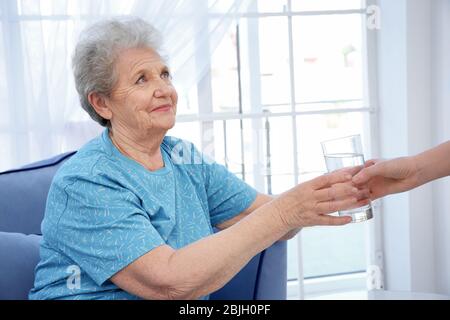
389	176
308	203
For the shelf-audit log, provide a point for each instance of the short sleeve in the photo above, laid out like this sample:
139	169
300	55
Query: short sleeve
103	228
227	194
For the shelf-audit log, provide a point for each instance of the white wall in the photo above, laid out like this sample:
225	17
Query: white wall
406	125
440	101
392	110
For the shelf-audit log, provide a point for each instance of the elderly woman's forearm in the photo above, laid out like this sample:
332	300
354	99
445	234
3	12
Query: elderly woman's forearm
260	200
206	265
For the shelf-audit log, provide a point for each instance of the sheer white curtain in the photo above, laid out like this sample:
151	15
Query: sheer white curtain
40	113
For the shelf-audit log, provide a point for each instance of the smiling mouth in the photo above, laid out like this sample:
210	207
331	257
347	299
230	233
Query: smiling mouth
163	108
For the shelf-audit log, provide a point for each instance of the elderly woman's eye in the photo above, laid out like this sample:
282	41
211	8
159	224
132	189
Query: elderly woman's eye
141	79
166	75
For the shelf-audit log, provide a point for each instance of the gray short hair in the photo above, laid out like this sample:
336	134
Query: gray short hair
97	50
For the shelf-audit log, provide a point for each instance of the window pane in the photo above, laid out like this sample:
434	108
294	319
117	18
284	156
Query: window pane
333	250
327	250
233	146
279	176
313	129
228	149
327	57
249	62
187	100
274	64
189	131
292	259
255	161
222	142
224	75
312	5
219	151
271	5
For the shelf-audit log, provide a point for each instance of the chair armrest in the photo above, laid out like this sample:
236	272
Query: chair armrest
263	278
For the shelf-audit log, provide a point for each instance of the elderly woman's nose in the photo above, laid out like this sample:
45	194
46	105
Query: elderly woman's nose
163	90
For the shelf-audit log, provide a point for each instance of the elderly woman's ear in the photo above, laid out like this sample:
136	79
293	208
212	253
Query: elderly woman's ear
98	102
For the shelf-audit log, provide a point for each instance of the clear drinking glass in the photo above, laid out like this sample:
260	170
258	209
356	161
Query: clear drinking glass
347	152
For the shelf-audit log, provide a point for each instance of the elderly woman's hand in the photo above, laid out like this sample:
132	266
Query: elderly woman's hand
309	203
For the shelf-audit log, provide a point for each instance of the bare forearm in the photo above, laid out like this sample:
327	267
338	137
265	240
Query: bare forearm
434	163
206	265
265	198
291	233
260	200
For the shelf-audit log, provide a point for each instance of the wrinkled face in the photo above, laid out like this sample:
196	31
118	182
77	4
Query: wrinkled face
143	101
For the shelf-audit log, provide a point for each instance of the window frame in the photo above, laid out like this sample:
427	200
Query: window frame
301	287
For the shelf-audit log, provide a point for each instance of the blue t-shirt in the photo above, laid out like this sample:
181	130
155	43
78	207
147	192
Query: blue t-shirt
105	210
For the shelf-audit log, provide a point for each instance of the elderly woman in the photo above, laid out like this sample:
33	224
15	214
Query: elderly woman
131	214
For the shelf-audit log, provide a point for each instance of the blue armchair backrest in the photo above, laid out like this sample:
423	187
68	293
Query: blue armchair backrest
23	194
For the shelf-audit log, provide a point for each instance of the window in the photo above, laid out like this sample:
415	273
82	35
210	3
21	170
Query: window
289	76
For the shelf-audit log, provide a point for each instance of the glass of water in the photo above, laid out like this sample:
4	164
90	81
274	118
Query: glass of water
347	152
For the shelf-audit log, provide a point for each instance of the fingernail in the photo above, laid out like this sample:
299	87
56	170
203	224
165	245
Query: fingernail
348	176
354	190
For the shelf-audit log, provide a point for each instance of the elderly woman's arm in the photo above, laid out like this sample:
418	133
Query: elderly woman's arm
261	199
206	265
203	266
